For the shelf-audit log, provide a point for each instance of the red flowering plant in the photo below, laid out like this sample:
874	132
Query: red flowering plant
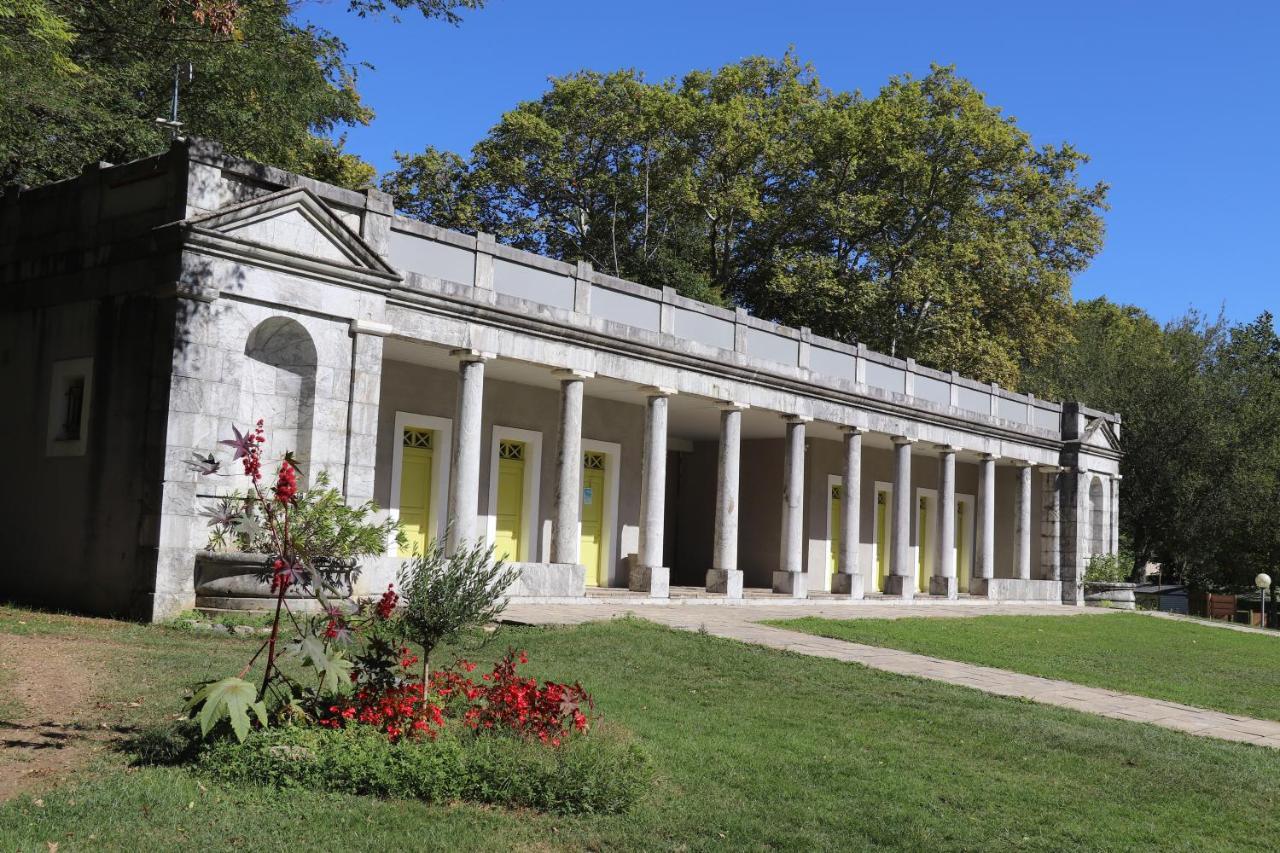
501	702
303	536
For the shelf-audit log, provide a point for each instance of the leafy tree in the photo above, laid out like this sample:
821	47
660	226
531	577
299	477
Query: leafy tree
921	221
1201	434
84	81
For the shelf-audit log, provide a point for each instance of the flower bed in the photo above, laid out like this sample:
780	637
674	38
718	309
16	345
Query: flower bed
343	704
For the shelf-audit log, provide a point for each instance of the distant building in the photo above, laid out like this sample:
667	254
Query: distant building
601	433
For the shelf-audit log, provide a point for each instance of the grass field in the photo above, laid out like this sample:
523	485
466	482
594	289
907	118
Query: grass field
1181	661
754	749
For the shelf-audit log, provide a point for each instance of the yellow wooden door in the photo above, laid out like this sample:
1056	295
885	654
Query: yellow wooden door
882	537
415	490
591	545
962	548
922	546
833	530
508	529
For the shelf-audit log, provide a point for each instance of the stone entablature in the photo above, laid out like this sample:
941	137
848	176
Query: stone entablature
477	269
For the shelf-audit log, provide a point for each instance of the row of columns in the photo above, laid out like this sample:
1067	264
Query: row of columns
650	575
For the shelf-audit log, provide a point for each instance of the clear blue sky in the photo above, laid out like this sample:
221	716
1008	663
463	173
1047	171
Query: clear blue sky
1178	103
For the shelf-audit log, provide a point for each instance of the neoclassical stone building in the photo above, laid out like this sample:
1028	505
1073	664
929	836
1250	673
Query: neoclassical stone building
598	432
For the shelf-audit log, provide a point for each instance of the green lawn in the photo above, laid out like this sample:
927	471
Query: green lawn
1199	665
755	749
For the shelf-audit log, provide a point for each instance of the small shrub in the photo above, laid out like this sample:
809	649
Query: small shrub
1105	568
603	773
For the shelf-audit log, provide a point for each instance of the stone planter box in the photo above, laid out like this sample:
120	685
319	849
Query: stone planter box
1118	596
233	580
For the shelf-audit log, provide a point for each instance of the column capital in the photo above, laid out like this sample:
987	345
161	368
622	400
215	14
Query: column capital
568	373
658	391
988	457
947	449
370	327
903	439
851	429
1022	463
1051	469
467	355
732	406
797	419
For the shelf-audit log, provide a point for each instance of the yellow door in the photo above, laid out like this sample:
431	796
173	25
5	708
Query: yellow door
591	546
962	548
833	530
882	538
922	546
508	529
415	490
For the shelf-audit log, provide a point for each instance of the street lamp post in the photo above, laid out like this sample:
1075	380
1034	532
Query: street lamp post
1263	582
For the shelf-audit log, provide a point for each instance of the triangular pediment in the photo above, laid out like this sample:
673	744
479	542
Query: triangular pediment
1100	433
296	222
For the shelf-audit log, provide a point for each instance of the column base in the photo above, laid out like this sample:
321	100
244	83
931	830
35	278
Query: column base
549	580
948	587
850	585
794	584
655	580
903	587
726	581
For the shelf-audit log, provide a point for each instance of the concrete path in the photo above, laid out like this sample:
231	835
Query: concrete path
743	624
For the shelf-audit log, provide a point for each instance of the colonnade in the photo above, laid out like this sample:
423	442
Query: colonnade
650	575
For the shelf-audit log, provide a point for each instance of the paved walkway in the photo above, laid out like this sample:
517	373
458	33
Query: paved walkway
743	624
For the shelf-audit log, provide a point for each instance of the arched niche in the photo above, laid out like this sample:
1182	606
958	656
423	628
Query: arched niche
281	386
1097	517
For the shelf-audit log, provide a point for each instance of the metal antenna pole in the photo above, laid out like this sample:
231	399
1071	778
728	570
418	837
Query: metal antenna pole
183	72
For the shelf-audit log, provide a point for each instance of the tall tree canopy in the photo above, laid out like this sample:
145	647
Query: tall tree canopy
922	221
1201	433
84	80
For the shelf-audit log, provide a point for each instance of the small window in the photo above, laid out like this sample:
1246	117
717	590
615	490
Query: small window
70	391
421	438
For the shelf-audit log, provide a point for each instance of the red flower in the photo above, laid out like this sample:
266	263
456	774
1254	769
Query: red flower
388	602
287	483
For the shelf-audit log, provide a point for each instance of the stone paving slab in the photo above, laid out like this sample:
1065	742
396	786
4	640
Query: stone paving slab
743	624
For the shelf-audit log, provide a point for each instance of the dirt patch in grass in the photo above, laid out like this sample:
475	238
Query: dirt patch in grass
49	687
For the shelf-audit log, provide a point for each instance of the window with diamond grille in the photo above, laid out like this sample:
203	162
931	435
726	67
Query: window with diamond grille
418	438
837	492
511	450
593	461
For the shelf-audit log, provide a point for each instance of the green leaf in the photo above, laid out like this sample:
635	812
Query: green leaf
230	698
335	670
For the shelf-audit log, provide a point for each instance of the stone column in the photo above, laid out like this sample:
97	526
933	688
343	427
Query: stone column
362	414
464	472
724	575
648	574
944	580
791	579
1115	514
848	580
986	568
1022	523
901	578
1051	526
565	533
